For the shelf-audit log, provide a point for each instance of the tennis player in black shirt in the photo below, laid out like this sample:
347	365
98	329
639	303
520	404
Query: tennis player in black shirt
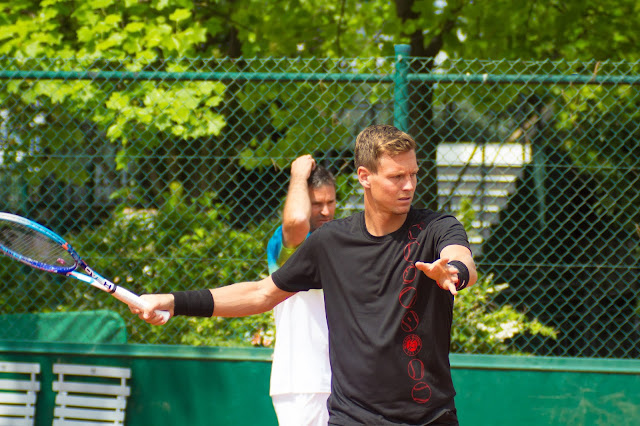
389	275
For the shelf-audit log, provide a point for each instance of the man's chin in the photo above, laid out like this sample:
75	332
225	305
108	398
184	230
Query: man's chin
402	210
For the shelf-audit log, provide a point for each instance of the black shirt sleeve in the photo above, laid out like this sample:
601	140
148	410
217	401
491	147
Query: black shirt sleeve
301	271
449	231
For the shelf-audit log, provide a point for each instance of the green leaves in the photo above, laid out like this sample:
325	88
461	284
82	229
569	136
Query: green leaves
539	30
571	30
181	110
180	15
185	244
157	35
483	327
134	94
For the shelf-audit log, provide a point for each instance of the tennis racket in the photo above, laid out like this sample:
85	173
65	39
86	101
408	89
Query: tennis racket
39	247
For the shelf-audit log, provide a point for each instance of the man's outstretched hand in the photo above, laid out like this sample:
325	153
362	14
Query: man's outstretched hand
446	276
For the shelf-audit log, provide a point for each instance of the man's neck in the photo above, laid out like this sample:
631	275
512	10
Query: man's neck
380	224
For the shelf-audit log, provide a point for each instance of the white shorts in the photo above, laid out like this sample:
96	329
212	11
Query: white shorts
301	409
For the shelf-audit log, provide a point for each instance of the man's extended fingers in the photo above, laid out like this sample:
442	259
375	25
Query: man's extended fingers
152	318
441	273
429	267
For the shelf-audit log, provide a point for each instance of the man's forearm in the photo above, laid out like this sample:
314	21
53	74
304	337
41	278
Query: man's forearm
297	204
246	298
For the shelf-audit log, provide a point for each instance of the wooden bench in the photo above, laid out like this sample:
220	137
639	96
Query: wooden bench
18	390
90	395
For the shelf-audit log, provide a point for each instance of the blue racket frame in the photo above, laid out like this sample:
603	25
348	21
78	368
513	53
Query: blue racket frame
63	270
92	278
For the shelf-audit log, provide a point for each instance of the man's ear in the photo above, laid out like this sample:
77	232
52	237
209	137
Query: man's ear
363	177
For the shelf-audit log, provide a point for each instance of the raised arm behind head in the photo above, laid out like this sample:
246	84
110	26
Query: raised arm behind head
311	200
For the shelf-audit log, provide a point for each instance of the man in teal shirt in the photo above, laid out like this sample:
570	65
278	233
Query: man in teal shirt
301	372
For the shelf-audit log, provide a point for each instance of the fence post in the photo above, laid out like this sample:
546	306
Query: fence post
539	165
401	88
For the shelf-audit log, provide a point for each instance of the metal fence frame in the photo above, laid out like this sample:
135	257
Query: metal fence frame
402	80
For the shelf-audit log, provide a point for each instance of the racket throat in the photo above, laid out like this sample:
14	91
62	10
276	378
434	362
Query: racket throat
109	287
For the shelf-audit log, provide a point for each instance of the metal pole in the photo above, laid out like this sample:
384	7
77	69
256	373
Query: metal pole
401	88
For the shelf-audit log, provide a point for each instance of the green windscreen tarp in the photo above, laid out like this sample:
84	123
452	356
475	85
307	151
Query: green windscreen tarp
100	326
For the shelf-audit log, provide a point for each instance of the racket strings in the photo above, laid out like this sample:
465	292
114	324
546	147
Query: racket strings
30	244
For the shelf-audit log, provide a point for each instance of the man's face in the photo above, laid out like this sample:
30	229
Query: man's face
393	186
323	205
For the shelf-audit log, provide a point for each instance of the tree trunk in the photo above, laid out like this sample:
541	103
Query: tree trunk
421	126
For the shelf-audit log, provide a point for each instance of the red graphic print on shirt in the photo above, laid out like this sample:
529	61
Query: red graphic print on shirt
413	245
412	343
410	321
421	392
415	368
408	297
414	230
409	275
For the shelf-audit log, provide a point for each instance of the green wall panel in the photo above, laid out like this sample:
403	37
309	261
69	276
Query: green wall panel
180	385
504	390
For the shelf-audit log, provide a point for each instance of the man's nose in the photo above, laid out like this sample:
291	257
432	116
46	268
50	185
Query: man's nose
409	185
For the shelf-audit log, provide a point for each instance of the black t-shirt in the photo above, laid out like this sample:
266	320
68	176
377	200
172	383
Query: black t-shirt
389	325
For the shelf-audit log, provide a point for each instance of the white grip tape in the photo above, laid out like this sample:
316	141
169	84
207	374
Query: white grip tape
129	298
120	293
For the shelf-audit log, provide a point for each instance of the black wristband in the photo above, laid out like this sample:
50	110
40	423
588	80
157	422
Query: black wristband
463	274
193	303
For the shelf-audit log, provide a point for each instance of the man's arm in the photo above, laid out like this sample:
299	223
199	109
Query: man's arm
297	206
235	300
447	275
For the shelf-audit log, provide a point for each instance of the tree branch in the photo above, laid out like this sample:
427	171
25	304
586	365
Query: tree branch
339	30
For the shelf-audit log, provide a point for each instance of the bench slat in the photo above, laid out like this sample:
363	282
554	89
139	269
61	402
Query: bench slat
17	398
19	367
17	410
71	422
19	385
81	413
96	388
91	402
92	370
16	422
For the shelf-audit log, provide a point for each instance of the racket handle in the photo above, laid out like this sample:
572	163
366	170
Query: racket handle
129	298
119	293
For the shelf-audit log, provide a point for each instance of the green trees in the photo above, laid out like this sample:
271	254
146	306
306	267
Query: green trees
150	138
179	36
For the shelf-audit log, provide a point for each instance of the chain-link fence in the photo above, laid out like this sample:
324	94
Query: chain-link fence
171	175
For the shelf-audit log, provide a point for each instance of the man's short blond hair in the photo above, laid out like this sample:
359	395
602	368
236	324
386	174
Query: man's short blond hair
377	140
